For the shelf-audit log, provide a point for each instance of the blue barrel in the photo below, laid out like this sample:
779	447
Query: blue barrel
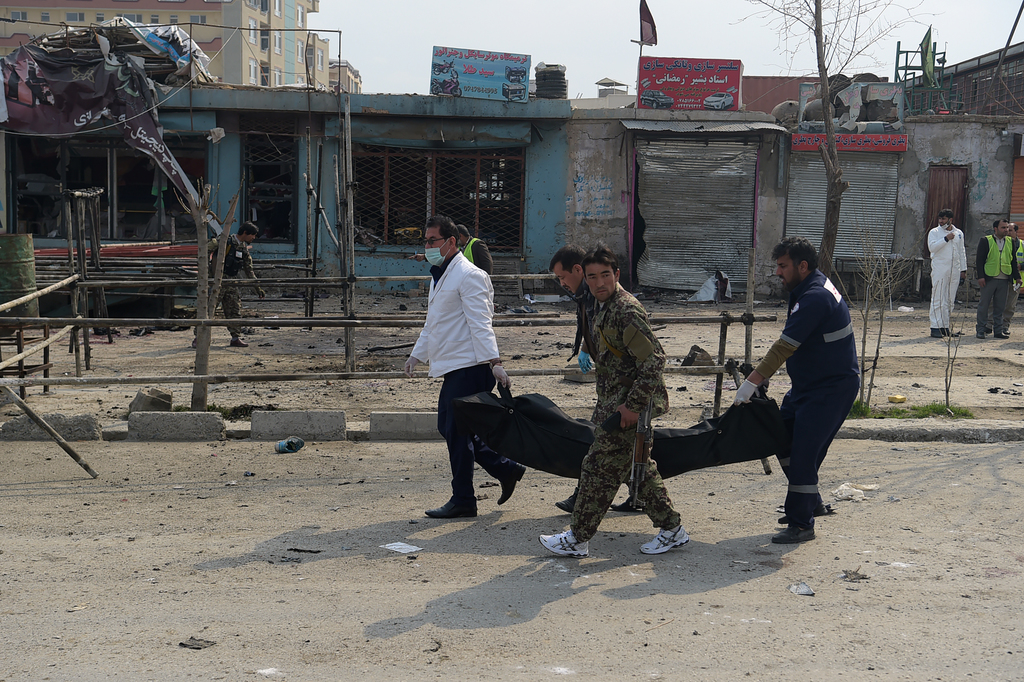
18	273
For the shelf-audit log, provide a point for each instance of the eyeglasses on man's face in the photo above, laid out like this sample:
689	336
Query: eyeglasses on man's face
435	240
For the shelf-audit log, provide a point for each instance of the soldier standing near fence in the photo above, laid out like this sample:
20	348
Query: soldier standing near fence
236	260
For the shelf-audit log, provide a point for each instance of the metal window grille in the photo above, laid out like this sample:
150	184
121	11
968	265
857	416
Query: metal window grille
400	188
271	162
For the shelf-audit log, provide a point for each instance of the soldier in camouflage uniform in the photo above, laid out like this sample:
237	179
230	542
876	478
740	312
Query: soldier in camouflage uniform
237	259
630	361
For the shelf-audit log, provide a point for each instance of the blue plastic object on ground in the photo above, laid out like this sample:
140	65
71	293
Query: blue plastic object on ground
290	444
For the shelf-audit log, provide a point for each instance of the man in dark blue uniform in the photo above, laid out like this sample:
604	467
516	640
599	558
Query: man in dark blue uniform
818	348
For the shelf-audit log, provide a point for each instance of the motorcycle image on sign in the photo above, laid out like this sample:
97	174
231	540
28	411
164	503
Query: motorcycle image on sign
450	86
442	67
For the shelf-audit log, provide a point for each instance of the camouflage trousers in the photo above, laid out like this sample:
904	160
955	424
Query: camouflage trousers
605	468
231	305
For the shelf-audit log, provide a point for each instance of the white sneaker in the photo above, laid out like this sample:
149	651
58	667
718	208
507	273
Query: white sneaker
565	544
666	540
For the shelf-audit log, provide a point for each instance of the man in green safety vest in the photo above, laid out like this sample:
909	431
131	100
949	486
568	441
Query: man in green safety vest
997	269
475	249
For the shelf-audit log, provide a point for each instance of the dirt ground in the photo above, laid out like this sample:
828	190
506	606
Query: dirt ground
285	572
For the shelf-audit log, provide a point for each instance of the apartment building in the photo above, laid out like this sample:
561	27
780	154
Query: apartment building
345	78
249	42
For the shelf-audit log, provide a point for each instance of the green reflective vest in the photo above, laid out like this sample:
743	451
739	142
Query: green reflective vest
999	261
468	251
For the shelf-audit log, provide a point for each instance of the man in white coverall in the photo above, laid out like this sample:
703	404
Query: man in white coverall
949	270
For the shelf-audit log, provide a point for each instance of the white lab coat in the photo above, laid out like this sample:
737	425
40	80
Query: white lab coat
949	259
458	332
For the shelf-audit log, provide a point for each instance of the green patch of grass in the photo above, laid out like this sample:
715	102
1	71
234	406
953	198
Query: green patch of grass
862	411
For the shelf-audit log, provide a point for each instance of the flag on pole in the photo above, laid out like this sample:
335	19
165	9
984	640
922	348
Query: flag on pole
648	31
928	60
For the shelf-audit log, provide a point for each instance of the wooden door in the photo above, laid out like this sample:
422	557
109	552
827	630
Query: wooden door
947	188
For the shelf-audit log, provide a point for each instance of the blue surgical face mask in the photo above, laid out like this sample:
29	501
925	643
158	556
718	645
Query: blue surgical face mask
434	256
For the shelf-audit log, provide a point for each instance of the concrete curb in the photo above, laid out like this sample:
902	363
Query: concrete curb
175	426
933	430
306	424
403	426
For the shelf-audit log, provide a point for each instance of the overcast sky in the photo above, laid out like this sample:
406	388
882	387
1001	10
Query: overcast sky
390	41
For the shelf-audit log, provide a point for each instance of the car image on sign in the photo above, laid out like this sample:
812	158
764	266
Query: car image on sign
656	99
719	100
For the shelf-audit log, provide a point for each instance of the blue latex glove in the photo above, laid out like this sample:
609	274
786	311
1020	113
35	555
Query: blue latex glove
586	364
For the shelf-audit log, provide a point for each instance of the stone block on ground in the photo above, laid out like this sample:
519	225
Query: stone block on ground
151	400
306	424
404	426
175	426
70	427
116	431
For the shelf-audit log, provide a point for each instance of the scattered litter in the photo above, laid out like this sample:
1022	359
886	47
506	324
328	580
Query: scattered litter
893	498
900	564
196	643
290	560
305	551
897	399
1017	384
144	331
905	309
524	309
489	484
78	608
481	497
231	483
402	547
270	672
289	444
853	575
249	473
852	491
803	589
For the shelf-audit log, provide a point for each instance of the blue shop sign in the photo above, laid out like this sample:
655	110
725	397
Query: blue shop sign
480	74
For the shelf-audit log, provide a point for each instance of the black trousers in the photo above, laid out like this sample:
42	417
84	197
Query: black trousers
463	450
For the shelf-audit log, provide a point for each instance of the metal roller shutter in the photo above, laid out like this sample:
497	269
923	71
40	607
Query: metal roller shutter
697	201
867	218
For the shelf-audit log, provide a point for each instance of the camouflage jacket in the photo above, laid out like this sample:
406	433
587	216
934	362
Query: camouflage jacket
630	358
235	247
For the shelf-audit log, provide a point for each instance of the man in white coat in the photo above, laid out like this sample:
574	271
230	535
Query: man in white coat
949	270
458	342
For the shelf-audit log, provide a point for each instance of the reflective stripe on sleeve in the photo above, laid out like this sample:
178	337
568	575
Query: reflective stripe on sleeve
838	334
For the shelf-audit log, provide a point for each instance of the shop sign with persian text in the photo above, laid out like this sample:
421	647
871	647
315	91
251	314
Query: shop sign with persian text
870	142
480	74
671	83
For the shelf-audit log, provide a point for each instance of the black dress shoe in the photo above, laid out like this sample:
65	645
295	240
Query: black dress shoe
627	506
508	486
793	535
1002	335
821	510
569	503
451	511
936	333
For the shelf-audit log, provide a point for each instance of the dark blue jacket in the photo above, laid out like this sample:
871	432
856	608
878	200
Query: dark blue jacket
819	326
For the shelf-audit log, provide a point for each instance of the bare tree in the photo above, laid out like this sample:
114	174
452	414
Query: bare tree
881	276
842	32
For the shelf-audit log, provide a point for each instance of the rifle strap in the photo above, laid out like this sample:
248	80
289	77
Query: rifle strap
615	351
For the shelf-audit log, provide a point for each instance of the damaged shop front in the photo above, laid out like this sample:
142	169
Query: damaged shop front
696	209
495	167
871	140
79	112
